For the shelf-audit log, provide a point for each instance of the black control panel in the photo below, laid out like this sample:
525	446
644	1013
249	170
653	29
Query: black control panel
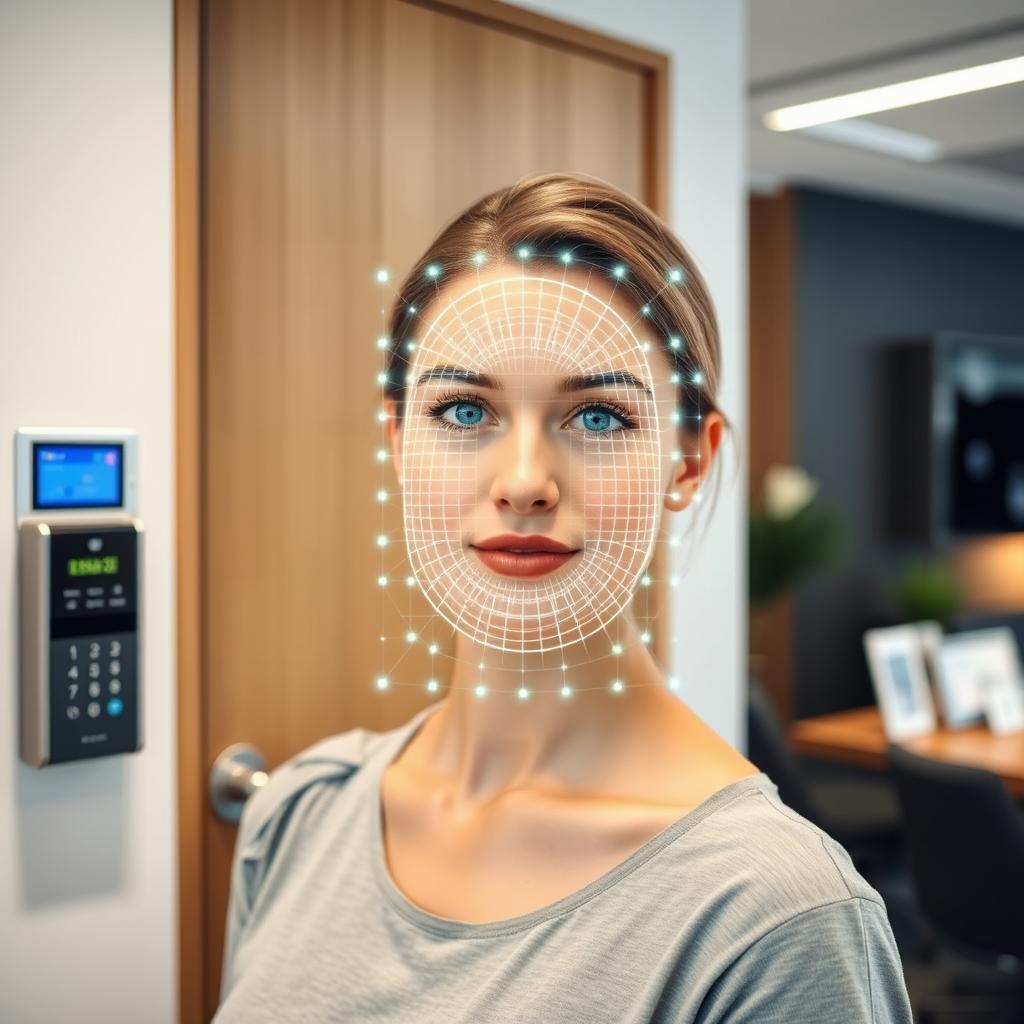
93	642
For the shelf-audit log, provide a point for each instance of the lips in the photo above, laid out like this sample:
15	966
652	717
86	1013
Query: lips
522	555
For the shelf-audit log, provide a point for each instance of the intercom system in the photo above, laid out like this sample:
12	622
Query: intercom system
80	588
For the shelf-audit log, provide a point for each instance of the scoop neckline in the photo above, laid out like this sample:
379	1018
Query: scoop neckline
454	928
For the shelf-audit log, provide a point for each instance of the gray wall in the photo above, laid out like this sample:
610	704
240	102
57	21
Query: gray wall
867	273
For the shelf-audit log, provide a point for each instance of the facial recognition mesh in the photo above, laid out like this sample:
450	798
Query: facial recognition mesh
582	466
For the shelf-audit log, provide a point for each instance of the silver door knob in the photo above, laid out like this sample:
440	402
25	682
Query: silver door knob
236	774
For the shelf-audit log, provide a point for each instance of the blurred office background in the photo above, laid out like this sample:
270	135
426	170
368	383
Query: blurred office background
169	215
886	369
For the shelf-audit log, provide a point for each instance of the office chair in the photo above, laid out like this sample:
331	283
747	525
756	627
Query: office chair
965	840
861	814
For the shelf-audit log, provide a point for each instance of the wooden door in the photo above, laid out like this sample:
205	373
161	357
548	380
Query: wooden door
318	140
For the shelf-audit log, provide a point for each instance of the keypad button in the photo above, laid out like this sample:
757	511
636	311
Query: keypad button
115	685
115	668
93	709
94	650
72	691
94	689
115	706
73	711
94	670
73	672
115	648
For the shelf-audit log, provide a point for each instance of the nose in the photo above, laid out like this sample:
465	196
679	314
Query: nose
525	480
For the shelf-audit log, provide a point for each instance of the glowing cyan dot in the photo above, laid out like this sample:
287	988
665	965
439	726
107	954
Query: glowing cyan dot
646	310
675	342
566	691
676	456
432	685
674	379
382	377
480	690
410	346
382	682
673	683
698	377
523	252
382	416
382	276
433	270
382	581
410	637
410	581
382	495
645	637
522	693
617	686
433	648
382	342
616	648
645	580
619	271
566	257
479	258
382	540
412	309
382	455
676	415
675	275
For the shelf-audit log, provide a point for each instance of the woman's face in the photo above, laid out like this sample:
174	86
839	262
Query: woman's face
538	412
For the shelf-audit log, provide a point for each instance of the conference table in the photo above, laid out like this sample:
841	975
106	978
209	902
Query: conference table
857	737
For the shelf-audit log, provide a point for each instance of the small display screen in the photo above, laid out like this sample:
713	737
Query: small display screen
105	566
77	476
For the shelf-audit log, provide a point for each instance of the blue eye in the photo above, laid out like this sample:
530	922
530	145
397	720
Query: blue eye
467	414
598	420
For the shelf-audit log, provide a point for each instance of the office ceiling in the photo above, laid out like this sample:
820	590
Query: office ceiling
801	50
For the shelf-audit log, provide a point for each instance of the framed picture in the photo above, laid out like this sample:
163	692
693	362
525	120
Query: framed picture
969	664
898	674
930	634
1004	705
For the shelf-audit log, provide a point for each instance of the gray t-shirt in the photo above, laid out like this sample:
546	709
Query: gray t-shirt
740	911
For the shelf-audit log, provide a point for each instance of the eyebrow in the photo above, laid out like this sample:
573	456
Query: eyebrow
579	382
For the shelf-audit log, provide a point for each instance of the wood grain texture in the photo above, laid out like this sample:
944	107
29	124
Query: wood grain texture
857	737
771	431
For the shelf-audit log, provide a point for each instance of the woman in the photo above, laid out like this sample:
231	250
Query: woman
561	838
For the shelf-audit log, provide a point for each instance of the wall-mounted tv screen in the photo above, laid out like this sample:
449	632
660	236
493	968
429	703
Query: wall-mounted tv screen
956	422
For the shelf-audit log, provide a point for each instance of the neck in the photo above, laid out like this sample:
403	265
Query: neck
478	747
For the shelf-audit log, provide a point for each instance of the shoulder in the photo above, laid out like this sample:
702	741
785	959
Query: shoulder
333	758
784	853
795	925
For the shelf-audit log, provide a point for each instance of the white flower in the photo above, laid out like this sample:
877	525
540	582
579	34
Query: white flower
787	489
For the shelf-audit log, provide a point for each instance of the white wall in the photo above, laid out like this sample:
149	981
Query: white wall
708	210
88	851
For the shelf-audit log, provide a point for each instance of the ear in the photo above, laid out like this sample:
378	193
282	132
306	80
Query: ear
394	436
690	472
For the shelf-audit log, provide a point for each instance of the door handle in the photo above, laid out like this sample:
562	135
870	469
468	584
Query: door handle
236	774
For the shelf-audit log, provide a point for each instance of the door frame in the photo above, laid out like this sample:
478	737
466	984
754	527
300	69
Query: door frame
188	307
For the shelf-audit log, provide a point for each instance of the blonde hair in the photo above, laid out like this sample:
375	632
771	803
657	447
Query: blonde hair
603	228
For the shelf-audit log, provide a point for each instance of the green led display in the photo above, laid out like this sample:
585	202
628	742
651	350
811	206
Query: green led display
105	566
